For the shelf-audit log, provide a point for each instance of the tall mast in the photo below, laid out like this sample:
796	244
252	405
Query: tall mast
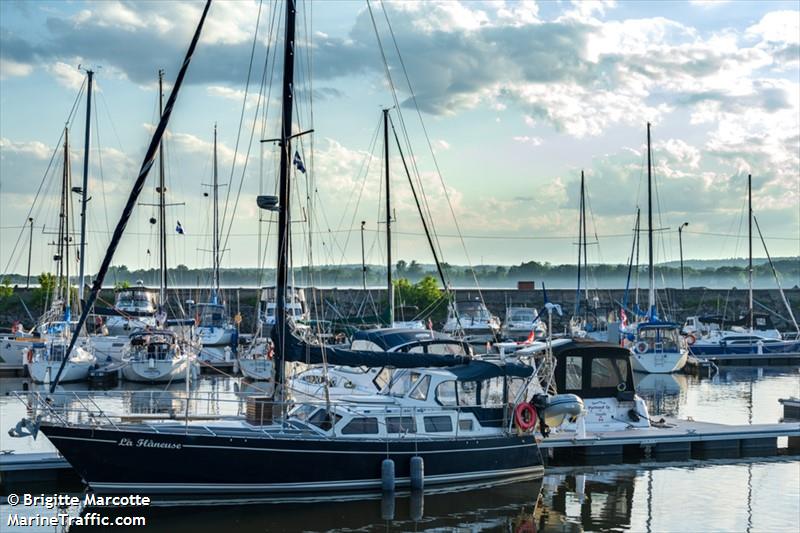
750	246
287	103
585	251
162	211
216	223
651	298
389	285
84	189
65	257
580	250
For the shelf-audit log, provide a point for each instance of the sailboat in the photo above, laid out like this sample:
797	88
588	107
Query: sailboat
657	345
751	335
159	354
43	359
217	336
431	413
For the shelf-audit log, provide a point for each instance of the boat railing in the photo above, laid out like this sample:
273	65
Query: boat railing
111	410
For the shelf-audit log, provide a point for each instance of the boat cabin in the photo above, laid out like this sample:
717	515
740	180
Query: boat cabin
593	369
211	315
441	403
658	337
158	345
136	300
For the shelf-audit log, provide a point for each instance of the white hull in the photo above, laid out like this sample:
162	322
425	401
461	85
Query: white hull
156	371
109	348
260	369
11	351
659	363
215	336
216	356
76	369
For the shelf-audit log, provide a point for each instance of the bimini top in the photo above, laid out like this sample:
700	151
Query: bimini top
388	338
478	370
593	369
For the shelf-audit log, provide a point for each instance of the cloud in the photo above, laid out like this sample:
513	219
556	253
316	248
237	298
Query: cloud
10	68
525	139
67	75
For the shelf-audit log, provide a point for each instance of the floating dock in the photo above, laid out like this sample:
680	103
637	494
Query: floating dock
674	438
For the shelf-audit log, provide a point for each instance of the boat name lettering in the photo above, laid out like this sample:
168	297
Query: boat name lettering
148	443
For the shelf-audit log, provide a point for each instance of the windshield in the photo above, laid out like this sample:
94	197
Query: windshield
660	339
401	383
522	315
474	310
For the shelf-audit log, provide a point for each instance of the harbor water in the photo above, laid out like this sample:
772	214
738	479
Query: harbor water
720	494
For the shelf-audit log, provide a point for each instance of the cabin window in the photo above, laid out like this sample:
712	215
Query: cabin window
492	392
438	424
574	373
446	348
468	393
361	426
402	383
446	393
420	392
365	345
465	424
322	419
400	424
416	349
622	367
604	373
382	378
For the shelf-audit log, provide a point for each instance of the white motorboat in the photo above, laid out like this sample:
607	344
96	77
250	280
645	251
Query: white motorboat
135	309
657	347
472	319
520	322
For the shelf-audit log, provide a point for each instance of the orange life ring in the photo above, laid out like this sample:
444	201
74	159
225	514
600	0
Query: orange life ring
520	412
691	339
642	347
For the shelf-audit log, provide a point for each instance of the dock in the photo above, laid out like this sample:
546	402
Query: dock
675	438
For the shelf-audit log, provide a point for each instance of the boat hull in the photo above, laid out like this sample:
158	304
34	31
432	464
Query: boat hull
73	371
156	372
257	369
659	363
711	349
145	462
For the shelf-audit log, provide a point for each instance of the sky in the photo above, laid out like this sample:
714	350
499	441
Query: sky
499	107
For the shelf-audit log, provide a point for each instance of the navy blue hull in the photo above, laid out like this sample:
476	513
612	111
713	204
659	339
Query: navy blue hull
771	348
112	461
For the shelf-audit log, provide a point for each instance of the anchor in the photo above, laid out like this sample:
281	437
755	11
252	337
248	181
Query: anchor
26	428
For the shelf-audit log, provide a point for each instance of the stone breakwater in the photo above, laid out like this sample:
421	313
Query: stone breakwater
333	303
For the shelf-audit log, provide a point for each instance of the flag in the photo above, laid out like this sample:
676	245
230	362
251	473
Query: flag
624	317
430	324
299	162
179	228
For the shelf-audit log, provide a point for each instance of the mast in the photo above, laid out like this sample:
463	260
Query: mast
287	104
651	296
580	250
585	251
216	225
84	189
750	246
162	210
389	285
65	222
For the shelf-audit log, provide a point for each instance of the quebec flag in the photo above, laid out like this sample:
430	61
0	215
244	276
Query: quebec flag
179	228
299	162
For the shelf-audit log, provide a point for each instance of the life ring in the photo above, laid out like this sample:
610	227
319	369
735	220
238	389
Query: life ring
691	339
520	413
29	355
641	347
